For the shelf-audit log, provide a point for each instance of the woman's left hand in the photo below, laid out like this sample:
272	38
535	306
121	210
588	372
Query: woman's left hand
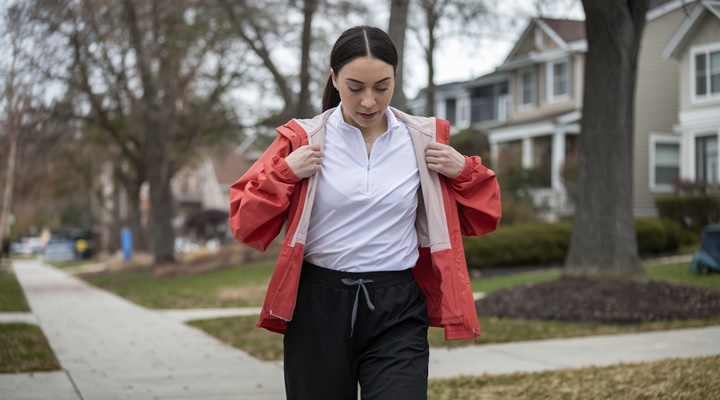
443	159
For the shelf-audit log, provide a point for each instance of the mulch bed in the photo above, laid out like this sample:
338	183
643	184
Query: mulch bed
607	301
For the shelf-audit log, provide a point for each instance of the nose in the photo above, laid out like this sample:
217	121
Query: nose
368	101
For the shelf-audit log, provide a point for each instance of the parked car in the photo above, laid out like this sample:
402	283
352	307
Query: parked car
28	246
59	250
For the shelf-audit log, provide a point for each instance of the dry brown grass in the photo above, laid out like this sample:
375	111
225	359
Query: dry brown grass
692	378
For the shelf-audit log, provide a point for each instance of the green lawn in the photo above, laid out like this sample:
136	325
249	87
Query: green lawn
243	286
491	284
241	332
260	343
12	297
693	378
70	263
678	273
24	348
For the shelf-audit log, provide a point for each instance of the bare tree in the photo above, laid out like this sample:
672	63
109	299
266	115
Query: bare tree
603	238
271	27
443	19
151	77
551	8
17	109
396	30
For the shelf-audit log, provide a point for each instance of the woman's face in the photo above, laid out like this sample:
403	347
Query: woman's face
366	87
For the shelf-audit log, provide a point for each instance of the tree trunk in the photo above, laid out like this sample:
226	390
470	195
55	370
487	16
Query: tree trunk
9	182
158	137
139	234
603	239
159	120
162	232
396	30
304	108
429	55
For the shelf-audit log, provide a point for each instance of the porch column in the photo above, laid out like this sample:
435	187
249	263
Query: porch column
687	157
494	155
558	158
527	152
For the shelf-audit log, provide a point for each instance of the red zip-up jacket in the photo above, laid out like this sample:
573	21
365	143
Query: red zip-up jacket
269	195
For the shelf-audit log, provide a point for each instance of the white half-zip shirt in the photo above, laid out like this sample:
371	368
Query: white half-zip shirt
363	215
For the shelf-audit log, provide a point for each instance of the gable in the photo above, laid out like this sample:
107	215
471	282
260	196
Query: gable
701	26
546	34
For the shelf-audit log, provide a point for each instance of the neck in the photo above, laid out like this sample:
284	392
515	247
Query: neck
369	133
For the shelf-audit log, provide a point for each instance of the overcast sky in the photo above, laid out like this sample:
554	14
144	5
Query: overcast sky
460	60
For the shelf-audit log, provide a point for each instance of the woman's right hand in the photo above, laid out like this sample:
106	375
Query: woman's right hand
305	161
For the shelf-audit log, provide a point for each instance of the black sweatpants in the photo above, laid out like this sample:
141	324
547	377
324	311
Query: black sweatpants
336	339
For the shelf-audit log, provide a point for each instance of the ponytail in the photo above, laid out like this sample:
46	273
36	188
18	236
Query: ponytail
331	97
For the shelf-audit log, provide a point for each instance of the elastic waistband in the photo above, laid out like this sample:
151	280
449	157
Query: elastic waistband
332	278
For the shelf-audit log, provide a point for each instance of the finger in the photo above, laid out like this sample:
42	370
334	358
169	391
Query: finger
434	152
434	167
435	146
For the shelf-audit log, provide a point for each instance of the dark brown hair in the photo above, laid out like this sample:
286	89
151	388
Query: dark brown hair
357	42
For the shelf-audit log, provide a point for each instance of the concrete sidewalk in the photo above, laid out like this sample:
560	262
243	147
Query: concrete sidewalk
110	348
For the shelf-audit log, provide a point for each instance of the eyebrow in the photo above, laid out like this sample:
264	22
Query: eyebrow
362	83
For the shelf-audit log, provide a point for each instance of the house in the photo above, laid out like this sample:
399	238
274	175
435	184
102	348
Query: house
667	128
545	72
478	104
205	185
677	104
688	150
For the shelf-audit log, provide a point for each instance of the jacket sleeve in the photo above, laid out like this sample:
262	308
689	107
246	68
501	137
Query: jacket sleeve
477	195
259	200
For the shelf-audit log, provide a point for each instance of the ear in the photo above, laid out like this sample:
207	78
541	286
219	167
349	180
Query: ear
334	78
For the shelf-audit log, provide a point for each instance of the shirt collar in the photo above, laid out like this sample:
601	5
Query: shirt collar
336	118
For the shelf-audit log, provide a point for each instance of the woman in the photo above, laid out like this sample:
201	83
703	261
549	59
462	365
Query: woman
375	203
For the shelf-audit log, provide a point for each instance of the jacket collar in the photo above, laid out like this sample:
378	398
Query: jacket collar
310	126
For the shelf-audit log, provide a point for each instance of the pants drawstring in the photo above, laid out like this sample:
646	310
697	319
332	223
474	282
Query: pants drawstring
360	283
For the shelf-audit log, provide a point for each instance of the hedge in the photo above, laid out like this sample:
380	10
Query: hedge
547	244
691	212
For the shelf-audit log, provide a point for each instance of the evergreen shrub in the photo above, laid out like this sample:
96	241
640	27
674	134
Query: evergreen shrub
527	244
692	212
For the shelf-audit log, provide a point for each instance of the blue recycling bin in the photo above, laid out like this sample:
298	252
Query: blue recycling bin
126	243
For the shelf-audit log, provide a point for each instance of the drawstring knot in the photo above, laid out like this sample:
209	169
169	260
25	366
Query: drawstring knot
360	283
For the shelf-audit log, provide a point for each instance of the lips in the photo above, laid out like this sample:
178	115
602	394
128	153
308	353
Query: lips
367	116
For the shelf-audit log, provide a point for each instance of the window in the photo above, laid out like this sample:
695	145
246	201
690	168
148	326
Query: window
706	159
667	163
450	107
707	73
527	88
558	79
